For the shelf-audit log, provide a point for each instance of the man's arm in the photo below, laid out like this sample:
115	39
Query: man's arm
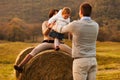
67	28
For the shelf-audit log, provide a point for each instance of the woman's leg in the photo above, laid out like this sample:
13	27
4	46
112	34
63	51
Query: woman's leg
66	49
42	47
37	49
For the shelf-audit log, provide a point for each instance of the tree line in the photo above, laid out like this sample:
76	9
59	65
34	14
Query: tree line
19	30
22	21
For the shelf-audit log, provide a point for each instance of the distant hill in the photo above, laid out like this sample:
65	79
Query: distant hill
32	10
37	10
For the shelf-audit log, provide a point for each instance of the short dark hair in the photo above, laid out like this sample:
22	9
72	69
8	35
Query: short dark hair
52	12
86	9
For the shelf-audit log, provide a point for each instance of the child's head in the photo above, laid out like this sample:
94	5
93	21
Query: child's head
66	11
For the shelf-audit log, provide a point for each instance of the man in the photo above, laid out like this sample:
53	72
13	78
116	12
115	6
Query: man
84	32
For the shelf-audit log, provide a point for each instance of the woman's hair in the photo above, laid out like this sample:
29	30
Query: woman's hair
52	12
66	10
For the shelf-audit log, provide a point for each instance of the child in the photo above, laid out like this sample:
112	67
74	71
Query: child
61	19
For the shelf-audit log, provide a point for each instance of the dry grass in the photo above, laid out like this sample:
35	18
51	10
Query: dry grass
108	56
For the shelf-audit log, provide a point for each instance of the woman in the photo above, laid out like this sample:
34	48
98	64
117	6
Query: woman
48	43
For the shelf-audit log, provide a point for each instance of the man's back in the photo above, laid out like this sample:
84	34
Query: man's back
84	38
84	33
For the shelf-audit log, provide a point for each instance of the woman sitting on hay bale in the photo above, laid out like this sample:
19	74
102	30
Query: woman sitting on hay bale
48	43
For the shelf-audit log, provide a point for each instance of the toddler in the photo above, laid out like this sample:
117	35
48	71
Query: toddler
61	19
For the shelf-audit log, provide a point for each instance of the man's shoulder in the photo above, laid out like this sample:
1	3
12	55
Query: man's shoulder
88	22
94	22
75	21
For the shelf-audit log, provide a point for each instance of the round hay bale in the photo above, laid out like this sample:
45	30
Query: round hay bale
48	65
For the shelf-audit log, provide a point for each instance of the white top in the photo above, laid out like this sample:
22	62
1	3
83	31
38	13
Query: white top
60	21
84	32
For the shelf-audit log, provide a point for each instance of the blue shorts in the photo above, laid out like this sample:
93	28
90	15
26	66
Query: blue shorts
55	34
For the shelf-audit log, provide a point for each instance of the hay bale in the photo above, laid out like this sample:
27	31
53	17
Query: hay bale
47	65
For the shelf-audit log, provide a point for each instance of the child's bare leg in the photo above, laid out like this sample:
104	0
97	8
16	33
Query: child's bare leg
56	43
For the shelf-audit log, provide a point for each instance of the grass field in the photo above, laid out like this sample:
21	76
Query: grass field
108	56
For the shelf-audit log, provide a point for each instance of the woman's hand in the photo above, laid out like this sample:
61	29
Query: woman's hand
51	25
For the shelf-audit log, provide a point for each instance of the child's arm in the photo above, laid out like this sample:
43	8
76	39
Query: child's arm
53	19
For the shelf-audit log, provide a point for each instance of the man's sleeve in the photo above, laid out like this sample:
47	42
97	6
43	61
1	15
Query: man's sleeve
67	28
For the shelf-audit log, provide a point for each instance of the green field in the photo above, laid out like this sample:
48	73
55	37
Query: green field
108	56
